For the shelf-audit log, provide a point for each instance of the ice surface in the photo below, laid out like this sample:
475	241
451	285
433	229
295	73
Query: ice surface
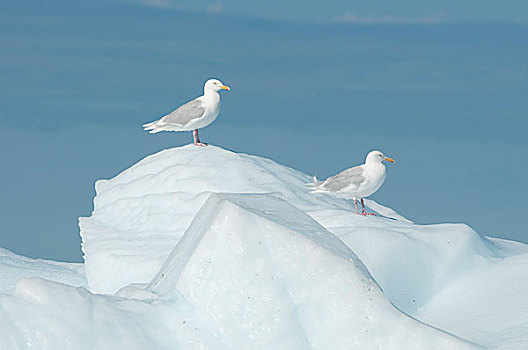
47	315
446	275
488	305
266	210
14	267
140	215
203	248
411	262
271	277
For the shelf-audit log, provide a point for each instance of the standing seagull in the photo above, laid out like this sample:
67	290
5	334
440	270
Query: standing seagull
357	182
193	115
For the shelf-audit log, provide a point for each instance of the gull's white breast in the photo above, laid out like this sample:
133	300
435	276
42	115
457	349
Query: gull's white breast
212	110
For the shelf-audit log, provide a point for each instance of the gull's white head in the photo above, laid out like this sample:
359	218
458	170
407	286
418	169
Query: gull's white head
215	85
377	157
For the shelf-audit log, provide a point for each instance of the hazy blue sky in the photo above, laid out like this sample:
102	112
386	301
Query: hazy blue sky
440	87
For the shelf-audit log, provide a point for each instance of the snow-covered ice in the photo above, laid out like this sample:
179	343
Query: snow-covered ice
141	214
203	248
14	267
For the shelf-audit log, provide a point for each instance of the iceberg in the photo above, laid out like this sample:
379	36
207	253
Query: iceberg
204	248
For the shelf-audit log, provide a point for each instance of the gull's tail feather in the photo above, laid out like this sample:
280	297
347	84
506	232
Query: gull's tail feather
159	125
315	182
314	186
153	127
150	126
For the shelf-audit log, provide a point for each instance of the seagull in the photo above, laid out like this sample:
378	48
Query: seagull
193	115
357	182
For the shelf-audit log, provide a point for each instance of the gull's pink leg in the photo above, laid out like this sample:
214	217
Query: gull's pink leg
364	211
197	139
356	206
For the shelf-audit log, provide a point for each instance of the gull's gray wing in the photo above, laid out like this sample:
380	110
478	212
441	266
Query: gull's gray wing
185	113
343	179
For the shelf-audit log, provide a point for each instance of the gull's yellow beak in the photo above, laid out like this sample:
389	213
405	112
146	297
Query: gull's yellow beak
389	159
225	87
